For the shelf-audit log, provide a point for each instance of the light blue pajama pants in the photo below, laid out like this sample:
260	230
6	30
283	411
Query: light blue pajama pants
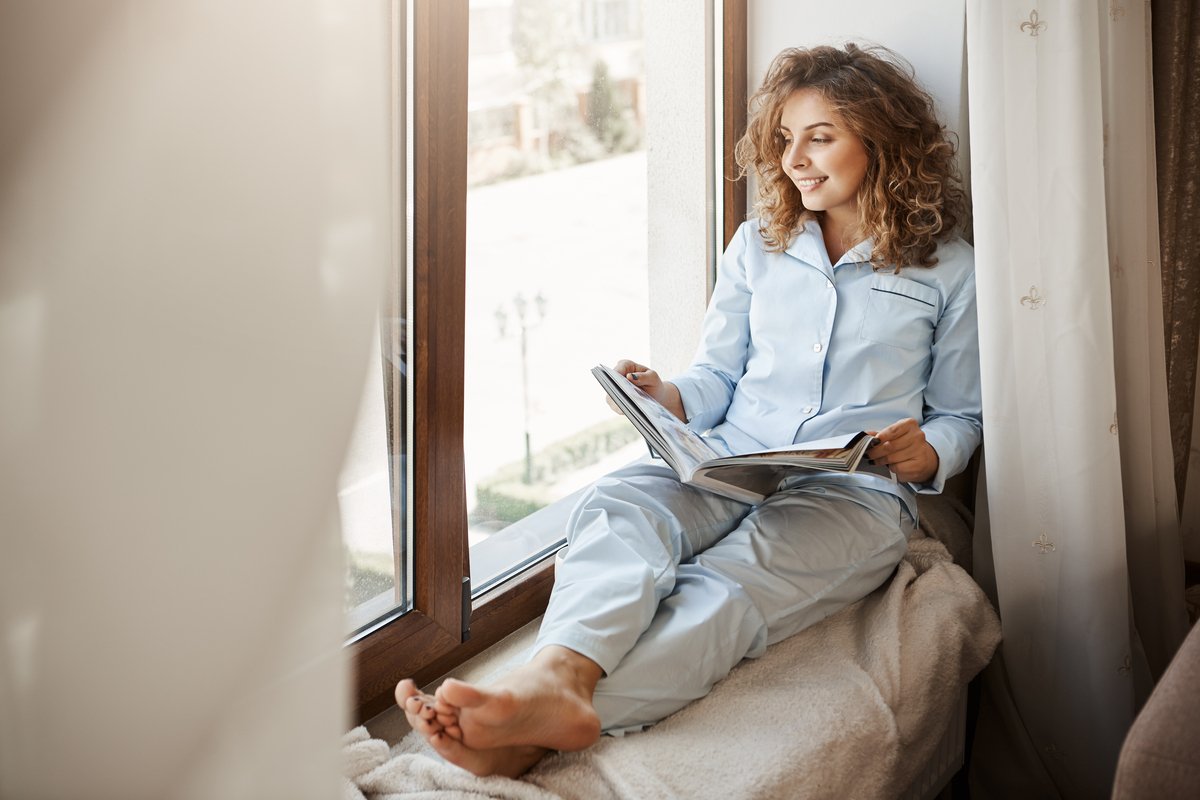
668	587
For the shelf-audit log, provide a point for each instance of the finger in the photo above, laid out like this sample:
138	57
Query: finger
614	406
647	378
896	429
625	366
880	452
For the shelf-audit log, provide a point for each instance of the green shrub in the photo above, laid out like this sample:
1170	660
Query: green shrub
505	496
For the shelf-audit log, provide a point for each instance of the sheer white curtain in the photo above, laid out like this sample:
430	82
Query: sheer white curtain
193	222
1085	553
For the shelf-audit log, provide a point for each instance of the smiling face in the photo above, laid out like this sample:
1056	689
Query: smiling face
825	160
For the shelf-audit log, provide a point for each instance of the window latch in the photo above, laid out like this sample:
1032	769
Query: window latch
466	608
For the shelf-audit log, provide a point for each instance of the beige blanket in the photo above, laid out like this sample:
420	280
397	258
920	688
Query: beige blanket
851	707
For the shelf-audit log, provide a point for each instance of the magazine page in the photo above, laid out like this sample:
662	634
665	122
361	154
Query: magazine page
818	448
681	447
839	453
745	482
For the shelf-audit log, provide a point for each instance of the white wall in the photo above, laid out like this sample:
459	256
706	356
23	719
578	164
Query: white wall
928	33
193	219
678	146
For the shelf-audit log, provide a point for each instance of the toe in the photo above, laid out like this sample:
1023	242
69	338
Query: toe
404	690
425	727
460	695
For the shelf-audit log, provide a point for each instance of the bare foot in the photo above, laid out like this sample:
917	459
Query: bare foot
546	703
420	709
438	724
447	717
511	762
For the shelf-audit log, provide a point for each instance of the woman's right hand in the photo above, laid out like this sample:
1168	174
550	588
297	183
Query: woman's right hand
652	384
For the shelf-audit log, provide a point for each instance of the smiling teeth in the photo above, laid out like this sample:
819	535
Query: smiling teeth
808	183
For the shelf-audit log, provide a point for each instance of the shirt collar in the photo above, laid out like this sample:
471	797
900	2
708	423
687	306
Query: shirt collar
858	254
808	246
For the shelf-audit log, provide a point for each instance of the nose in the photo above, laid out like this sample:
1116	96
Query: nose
794	157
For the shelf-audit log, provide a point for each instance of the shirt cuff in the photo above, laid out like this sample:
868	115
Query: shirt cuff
944	448
704	405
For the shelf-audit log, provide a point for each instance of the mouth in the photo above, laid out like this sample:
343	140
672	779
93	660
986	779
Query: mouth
806	184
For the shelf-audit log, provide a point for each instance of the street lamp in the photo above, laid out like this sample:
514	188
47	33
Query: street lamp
525	322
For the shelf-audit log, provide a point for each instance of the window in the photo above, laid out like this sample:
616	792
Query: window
555	274
504	149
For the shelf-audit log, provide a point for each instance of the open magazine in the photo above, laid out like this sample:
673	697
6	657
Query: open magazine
748	477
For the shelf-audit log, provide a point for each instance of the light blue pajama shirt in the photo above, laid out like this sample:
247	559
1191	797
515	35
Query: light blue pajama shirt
667	587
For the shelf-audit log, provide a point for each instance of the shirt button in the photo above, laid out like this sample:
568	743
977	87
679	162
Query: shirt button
817	347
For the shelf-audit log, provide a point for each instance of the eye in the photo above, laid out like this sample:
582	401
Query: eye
821	140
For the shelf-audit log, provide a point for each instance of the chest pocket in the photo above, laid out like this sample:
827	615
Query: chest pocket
900	313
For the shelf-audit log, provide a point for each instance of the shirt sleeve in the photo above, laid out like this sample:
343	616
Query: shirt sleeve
707	386
953	406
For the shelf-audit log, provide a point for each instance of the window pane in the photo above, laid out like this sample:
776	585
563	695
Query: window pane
556	260
376	567
373	487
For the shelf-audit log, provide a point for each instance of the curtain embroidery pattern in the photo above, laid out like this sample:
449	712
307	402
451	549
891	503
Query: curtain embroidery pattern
1033	26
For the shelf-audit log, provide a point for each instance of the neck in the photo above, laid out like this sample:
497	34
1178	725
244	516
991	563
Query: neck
833	231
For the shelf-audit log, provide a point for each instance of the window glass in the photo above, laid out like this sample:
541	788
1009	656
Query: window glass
556	261
376	568
373	486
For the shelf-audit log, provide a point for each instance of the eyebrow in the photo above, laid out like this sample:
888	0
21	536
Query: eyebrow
808	127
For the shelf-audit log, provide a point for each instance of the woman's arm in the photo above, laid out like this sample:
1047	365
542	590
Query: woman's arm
707	386
953	413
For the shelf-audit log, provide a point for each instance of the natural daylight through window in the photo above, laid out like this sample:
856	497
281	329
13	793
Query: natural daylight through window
556	260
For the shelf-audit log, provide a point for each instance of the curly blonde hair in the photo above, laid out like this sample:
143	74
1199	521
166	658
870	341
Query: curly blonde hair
911	195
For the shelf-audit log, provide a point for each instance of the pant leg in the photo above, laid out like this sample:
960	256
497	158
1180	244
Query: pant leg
625	540
794	560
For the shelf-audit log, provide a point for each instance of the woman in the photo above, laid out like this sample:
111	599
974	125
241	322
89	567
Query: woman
847	305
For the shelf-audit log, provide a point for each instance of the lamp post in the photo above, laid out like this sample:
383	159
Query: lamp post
525	322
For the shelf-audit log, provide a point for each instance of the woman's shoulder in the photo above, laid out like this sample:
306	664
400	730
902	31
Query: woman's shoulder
953	272
751	232
955	259
956	250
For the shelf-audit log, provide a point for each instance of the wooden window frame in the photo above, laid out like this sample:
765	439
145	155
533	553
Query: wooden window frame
431	639
734	44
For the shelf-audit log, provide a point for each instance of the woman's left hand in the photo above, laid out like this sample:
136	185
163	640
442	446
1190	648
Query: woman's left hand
902	449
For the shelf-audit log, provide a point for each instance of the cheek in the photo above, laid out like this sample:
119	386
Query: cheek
856	169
